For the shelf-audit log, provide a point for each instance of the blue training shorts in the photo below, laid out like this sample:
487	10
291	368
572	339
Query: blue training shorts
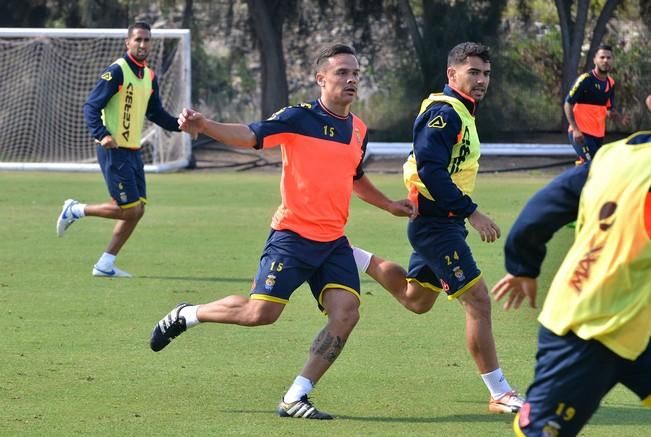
587	150
572	376
124	173
288	260
441	260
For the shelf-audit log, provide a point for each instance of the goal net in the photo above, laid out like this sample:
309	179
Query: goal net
47	75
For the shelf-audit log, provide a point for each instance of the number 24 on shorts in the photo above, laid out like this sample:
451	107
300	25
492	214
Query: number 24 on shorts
448	258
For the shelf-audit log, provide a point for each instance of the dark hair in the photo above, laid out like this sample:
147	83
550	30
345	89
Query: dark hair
604	47
138	25
463	51
330	51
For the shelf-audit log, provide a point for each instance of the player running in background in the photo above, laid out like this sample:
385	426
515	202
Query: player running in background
596	319
115	112
323	146
590	101
440	176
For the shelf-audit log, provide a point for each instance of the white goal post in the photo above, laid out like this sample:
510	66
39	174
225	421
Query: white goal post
47	75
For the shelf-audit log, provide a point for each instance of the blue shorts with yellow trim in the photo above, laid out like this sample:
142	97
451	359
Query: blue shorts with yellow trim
124	173
441	259
288	260
571	378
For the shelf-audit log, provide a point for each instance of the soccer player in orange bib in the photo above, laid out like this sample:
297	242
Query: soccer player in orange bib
590	101
323	145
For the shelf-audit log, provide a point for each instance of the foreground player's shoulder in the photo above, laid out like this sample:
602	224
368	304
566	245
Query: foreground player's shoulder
570	182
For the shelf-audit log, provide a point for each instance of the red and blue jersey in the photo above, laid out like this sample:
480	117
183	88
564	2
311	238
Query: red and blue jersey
322	154
591	98
108	85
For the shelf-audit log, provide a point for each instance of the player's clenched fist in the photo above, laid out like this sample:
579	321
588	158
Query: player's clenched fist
191	121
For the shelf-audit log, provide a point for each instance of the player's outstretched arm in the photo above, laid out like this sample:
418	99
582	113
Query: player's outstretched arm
365	190
233	134
517	288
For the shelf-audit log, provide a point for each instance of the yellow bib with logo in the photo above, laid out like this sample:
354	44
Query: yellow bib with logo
464	161
602	290
124	115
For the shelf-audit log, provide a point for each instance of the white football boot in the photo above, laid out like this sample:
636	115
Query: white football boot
67	217
511	402
112	272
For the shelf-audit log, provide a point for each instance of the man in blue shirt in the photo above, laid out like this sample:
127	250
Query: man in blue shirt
115	110
440	176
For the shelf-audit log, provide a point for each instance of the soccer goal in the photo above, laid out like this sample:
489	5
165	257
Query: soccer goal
47	75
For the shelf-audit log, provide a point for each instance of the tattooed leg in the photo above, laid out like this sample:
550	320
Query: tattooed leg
342	308
327	346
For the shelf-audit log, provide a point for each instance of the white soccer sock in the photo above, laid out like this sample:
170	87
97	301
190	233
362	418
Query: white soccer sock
78	210
190	315
362	259
496	383
301	387
106	261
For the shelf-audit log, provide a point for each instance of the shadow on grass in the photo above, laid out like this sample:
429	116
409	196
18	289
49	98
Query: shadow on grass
606	415
454	418
629	415
197	279
434	419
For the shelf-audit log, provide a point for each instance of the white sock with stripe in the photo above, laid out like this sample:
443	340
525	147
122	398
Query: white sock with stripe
190	315
105	262
496	383
301	387
78	210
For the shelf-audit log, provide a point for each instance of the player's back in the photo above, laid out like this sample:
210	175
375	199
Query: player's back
604	283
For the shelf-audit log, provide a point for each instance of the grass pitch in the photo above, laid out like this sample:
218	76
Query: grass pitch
75	358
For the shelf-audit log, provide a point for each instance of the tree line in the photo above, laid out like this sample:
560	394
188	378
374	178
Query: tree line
539	48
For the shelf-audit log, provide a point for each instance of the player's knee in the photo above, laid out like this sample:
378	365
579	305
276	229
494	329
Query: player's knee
418	299
345	317
477	303
419	306
133	214
138	211
258	313
258	318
